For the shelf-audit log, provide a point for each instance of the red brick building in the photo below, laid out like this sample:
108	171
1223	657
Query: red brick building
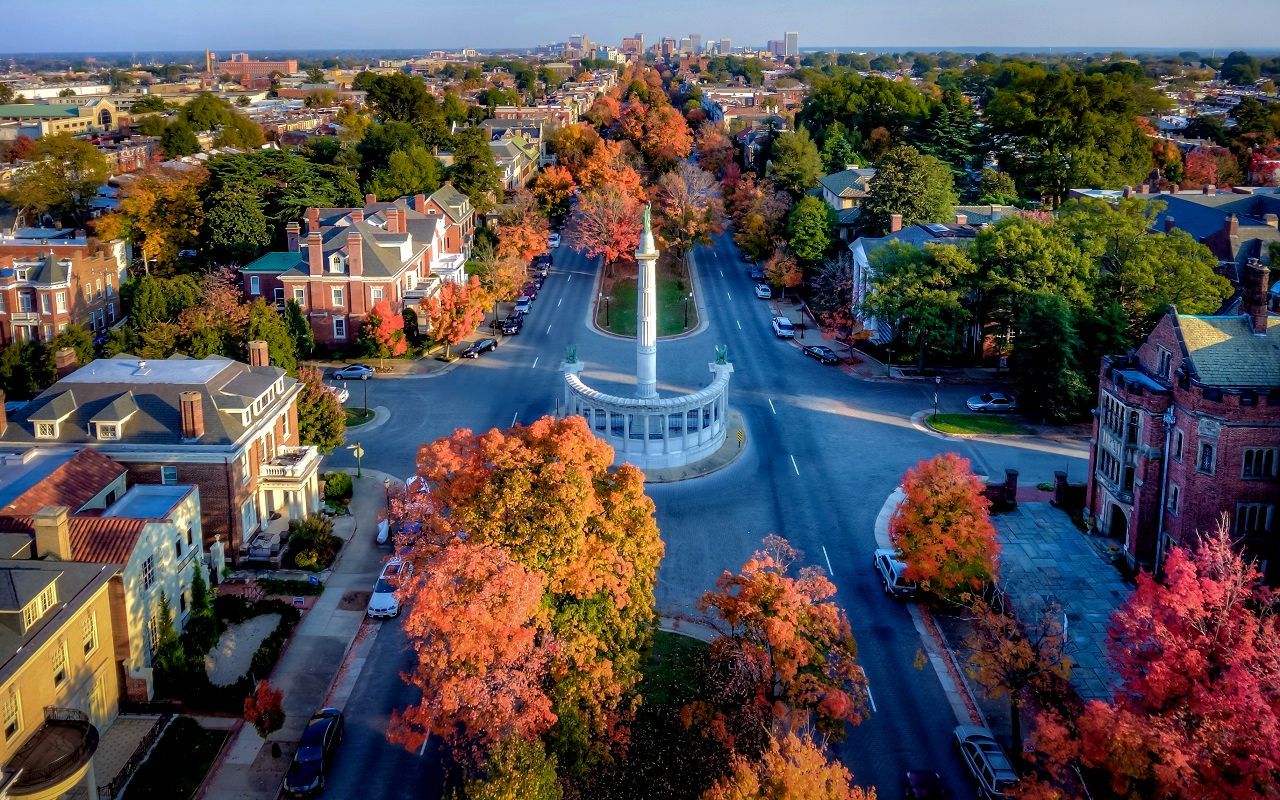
240	66
48	284
1187	430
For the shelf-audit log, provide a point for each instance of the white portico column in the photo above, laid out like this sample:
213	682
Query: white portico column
646	314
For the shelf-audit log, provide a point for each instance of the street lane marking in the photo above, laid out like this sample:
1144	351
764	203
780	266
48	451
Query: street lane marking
827	558
570	278
423	749
535	362
548	329
558	302
771	408
721	273
794	466
872	699
730	296
513	418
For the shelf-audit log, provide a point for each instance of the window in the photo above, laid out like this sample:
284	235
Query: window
1165	360
108	430
149	572
335	263
168	475
255	285
46	430
244	468
1205	462
45	305
191	537
337	297
1176	448
1253	518
111	312
97	287
89	633
25	303
375	295
153	633
11	711
36	608
299	295
182	601
3	304
1259	463
177	548
60	663
1175	498
340	329
277	294
284	427
60	302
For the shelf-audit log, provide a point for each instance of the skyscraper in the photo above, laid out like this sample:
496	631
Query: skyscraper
686	45
695	43
792	44
726	46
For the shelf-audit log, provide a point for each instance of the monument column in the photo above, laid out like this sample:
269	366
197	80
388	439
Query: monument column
646	314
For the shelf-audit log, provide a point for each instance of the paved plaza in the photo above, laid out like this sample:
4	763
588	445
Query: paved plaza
1046	559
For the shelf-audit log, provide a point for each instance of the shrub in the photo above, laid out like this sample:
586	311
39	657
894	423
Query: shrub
338	487
289	587
312	544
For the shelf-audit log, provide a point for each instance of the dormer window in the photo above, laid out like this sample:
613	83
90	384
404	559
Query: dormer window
108	431
335	263
44	601
46	430
23	273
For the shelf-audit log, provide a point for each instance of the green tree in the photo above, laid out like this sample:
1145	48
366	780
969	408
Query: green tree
202	623
62	178
6	93
919	294
266	325
951	132
146	303
795	164
380	142
997	188
304	340
1241	68
810	227
918	187
407	172
321	421
78	338
179	140
205	112
838	151
474	172
151	125
168	658
148	103
238	131
1045	356
516	769
25	370
235	224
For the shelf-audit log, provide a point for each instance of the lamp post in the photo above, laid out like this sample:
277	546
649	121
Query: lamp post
937	385
358	452
687	298
365	381
603	298
888	365
386	488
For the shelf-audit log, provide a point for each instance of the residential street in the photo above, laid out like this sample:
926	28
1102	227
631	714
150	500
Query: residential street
824	451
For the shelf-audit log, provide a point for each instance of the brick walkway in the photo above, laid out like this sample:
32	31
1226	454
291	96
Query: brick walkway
1046	559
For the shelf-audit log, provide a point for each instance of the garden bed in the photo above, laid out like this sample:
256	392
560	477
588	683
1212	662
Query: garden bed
178	764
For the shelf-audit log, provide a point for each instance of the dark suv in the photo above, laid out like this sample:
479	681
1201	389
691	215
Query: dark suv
315	754
512	325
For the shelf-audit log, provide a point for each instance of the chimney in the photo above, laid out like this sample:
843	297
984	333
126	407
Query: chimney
1231	225
357	215
895	223
1128	191
1272	220
313	220
420	203
962	219
1174	188
1255	295
65	362
395	220
1169	223
1210	189
53	537
4	415
370	199
315	253
293	232
355	253
1144	188
258	354
190	405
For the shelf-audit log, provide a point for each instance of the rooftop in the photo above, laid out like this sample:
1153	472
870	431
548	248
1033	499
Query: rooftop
1225	352
54	477
41	110
149	501
77	583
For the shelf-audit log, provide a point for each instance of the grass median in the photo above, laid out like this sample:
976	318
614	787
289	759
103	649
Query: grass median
618	315
358	416
985	424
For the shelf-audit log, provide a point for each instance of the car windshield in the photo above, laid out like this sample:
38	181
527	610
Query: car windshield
986	398
782	323
309	755
383	586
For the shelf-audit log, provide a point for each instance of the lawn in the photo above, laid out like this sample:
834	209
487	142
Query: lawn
622	305
988	424
178	763
357	416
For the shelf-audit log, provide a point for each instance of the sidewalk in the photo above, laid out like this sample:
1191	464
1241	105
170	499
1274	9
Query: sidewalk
314	656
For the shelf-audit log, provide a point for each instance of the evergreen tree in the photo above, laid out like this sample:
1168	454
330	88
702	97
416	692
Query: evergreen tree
201	630
1045	352
321	420
951	132
304	339
265	324
794	163
919	187
168	657
78	338
474	172
235	224
838	151
810	228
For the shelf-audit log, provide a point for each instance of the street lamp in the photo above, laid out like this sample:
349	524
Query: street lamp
358	452
386	487
888	365
937	385
603	298
687	298
365	381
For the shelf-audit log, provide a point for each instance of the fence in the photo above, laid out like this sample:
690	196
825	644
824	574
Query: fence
109	790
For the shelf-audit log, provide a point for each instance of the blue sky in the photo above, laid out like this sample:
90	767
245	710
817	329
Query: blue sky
124	25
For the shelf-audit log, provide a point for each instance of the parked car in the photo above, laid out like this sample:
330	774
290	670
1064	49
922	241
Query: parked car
756	273
553	241
353	372
821	352
892	571
482	346
538	281
340	392
992	401
925	785
763	291
511	326
384	604
523	304
782	328
530	290
986	761
316	751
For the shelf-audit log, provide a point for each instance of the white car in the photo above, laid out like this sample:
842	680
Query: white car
553	241
340	392
763	291
384	604
987	761
782	328
892	571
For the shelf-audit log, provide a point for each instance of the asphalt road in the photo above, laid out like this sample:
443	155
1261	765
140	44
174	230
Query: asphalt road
824	450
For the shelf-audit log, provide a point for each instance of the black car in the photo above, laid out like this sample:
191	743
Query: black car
511	326
821	352
756	273
530	291
316	750
482	346
925	785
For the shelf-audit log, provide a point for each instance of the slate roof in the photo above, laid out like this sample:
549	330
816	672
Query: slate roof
985	215
920	235
20	580
63	481
46	269
1224	351
454	202
849	182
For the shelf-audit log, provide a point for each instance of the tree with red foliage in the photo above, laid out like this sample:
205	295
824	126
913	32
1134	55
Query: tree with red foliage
23	148
455	311
522	230
604	111
631	122
943	529
553	190
1197	712
382	333
605	166
715	151
264	709
1215	166
794	767
789	634
667	137
475	622
607	224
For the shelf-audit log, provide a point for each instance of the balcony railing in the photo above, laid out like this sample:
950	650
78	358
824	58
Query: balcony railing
57	750
291	463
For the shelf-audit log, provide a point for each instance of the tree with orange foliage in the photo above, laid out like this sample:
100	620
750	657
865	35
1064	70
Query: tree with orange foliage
798	638
574	143
794	767
715	151
783	270
943	529
604	111
631	123
667	137
553	190
160	213
688	208
455	311
382	333
1197	712
264	709
522	230
606	166
607	224
548	495
475	622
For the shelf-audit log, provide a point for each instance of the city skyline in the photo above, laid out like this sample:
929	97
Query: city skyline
934	24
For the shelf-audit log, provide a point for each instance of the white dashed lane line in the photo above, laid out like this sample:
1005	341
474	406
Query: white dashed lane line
795	466
535	362
827	558
771	408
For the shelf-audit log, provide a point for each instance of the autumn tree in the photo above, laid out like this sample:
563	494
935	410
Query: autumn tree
759	212
547	495
666	139
783	271
476	626
794	767
522	230
62	177
714	148
689	210
516	769
830	290
606	225
553	189
604	111
161	213
788	632
264	709
321	421
455	311
606	167
217	324
942	528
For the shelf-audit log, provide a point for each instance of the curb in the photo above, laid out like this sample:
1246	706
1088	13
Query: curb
687	627
694	280
380	416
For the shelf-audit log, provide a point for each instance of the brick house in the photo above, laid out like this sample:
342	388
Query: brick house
228	428
1187	429
48	284
352	258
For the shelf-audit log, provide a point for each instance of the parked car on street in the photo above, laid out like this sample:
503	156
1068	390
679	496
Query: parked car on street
340	392
353	372
986	761
553	241
316	751
763	291
384	604
530	290
523	304
992	401
482	346
821	352
511	326
892	571
782	328
923	784
756	273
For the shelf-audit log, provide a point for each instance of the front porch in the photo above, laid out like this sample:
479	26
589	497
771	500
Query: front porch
288	489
